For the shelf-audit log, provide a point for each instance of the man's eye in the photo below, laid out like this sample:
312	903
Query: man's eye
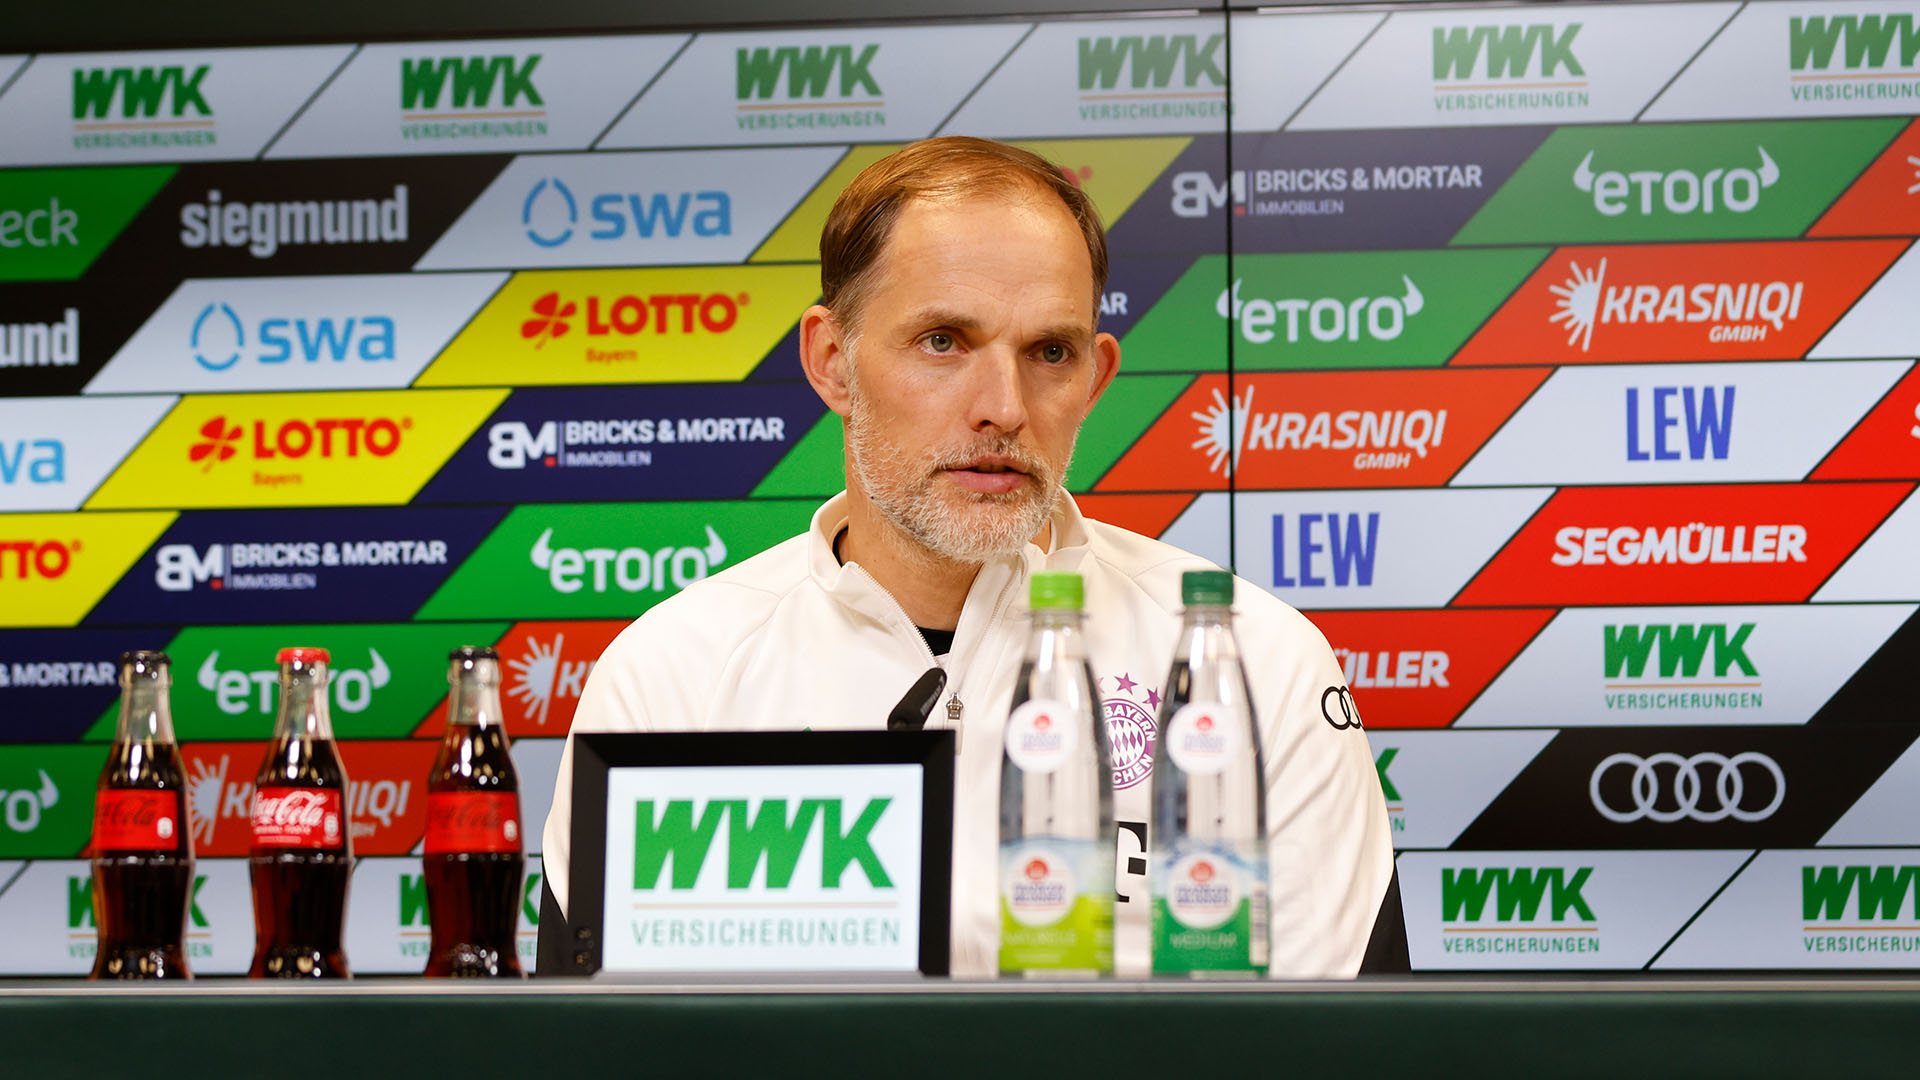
938	342
1055	353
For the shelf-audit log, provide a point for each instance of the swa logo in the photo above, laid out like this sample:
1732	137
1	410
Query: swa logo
551	214
1516	893
219	338
1505	52
672	836
40	461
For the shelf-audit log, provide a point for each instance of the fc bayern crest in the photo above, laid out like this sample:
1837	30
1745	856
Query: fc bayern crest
1130	708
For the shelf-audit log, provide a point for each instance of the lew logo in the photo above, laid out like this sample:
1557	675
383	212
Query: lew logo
1877	892
540	675
1709	423
769	835
634	569
1676	191
237	692
1326	319
809	72
1682	649
1518	894
1324	550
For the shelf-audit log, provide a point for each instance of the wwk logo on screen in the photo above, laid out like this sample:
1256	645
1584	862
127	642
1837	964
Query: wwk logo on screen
158	106
669	840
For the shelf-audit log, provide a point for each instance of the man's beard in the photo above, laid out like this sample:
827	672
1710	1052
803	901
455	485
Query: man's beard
954	523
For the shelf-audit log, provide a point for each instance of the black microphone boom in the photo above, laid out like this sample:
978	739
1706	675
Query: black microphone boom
912	712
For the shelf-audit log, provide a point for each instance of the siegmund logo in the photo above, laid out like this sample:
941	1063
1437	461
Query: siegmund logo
1870	904
54	344
1664	666
265	227
1547	900
471	97
1157	77
1853	57
157	107
819	86
1481	68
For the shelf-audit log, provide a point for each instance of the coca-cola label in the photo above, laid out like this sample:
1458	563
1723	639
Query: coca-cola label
136	820
470	821
298	817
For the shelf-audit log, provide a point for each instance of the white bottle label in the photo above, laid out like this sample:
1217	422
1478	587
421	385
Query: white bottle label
1201	738
1039	886
1203	891
1042	735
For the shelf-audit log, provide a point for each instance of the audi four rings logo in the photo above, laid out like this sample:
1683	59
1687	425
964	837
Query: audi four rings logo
1729	787
1349	715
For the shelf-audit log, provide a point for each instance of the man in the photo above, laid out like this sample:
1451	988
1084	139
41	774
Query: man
957	338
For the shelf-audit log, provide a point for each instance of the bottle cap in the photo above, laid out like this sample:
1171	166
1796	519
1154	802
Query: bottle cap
470	653
145	658
1056	590
302	655
1206	587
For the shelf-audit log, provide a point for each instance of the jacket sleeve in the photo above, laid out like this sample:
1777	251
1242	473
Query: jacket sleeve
1329	849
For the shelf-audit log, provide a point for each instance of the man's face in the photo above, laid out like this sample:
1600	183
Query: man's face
974	362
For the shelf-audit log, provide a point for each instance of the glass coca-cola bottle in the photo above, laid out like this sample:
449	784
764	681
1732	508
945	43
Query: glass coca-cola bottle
302	849
142	848
473	861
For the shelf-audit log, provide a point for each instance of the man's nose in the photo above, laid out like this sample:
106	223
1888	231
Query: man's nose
999	394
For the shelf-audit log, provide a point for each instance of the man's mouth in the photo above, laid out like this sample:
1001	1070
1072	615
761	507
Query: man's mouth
988	476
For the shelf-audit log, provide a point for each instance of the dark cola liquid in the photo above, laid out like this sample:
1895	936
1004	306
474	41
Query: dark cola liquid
300	894
140	895
474	894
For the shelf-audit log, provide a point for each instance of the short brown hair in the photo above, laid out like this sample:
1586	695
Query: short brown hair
948	168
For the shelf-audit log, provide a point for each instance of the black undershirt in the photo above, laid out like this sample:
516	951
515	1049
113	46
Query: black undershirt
940	641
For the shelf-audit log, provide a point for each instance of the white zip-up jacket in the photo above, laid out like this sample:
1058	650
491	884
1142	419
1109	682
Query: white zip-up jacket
792	639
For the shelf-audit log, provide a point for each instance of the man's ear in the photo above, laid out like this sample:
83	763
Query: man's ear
1106	364
823	356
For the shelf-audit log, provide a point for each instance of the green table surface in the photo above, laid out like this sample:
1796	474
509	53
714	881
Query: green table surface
1858	1028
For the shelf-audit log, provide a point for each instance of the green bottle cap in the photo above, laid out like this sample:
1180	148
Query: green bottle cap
1206	587
1057	590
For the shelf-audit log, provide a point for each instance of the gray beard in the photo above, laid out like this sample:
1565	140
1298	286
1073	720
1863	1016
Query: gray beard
903	489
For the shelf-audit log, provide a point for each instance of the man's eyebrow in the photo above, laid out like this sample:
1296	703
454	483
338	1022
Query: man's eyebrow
967	323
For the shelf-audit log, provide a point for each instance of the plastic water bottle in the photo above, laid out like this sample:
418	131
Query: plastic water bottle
1207	873
1056	801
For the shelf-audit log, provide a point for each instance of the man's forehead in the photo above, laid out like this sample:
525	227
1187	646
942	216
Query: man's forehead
943	256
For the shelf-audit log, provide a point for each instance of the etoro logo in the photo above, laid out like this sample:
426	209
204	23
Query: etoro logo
1646	192
1677	654
1324	318
1152	77
1510	66
263	228
550	214
633	569
237	691
55	344
158	107
20	809
824	86
454	97
769	832
219	338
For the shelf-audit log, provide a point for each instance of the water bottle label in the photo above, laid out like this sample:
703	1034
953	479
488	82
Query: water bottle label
286	817
1209	910
1056	910
1042	735
136	820
1201	738
472	821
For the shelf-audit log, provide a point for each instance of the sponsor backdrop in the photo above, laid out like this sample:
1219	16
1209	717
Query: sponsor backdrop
1559	361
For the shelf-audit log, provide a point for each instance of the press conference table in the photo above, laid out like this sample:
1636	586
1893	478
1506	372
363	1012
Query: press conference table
1403	1028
